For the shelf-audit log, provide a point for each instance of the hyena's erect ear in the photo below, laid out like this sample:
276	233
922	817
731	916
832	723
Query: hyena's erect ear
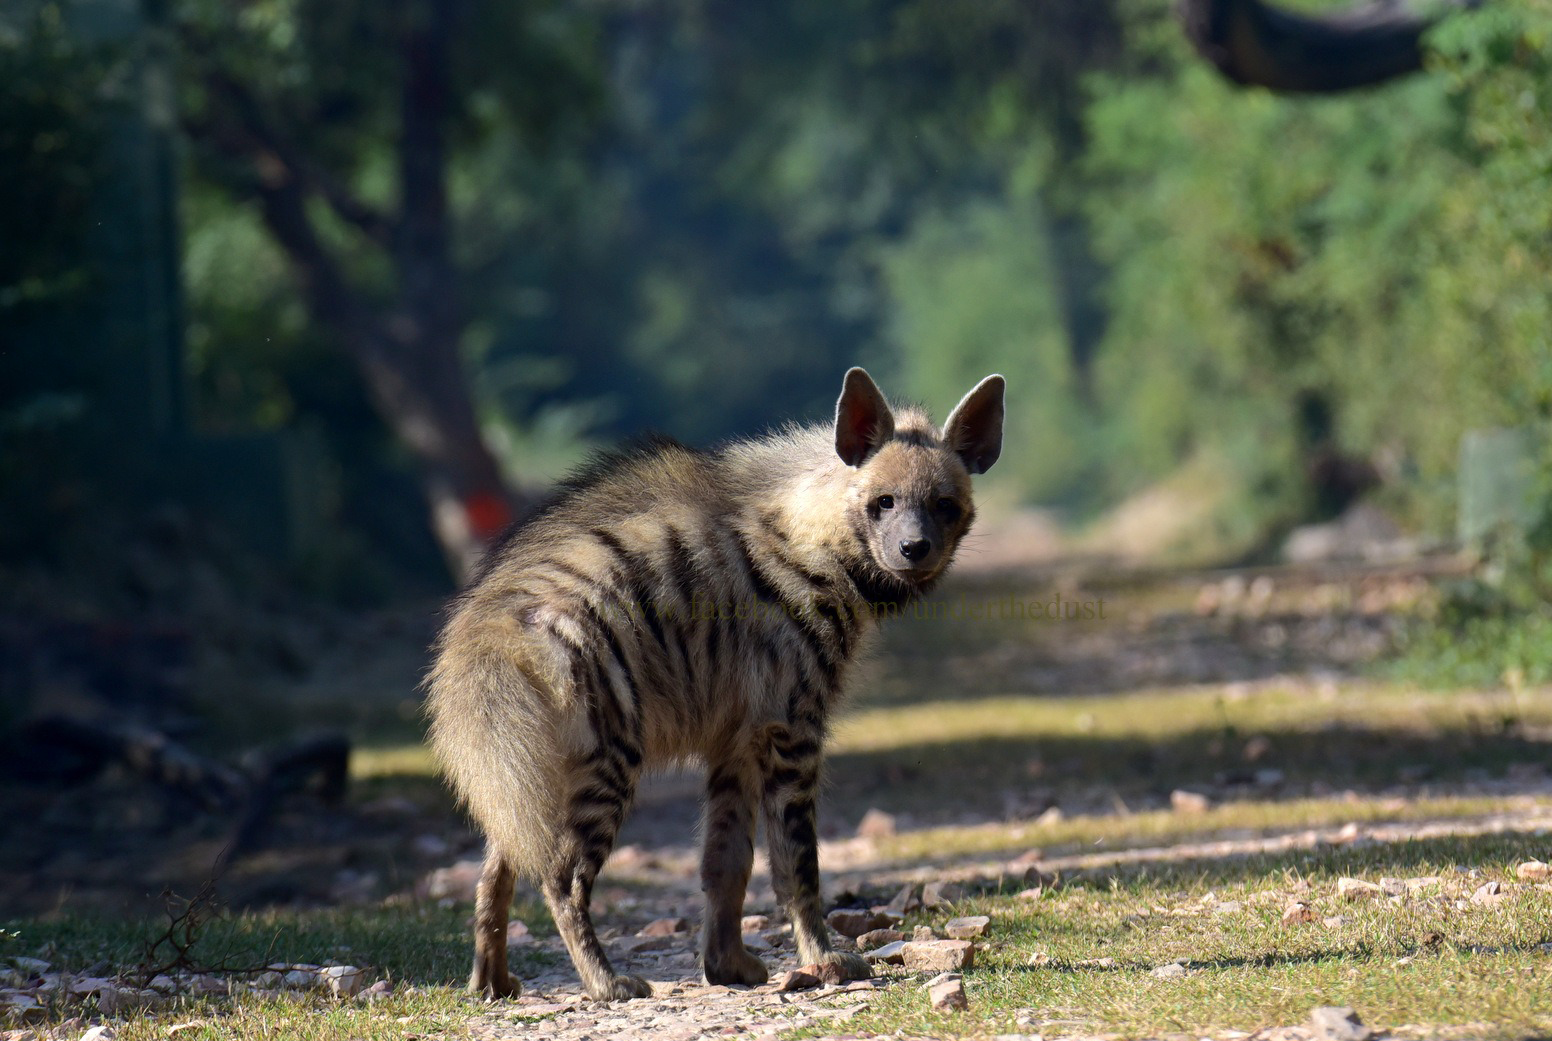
974	428
863	421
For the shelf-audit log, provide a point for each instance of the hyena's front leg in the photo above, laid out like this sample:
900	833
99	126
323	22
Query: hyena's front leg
725	862
492	907
791	780
599	799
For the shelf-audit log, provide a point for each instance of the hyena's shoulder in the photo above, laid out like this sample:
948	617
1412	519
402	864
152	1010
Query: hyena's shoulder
645	477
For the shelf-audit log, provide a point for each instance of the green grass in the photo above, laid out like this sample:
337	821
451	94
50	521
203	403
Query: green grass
423	950
1426	960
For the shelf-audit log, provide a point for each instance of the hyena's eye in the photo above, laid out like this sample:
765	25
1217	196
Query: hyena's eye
948	507
886	502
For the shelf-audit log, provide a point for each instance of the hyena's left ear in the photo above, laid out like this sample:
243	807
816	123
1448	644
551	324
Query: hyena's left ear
863	421
974	428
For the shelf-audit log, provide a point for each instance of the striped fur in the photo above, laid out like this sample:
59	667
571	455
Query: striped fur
677	606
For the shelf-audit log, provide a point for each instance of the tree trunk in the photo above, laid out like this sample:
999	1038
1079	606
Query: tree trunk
409	357
1255	44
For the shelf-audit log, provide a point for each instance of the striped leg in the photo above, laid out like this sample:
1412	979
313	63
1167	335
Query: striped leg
492	906
791	786
597	810
725	865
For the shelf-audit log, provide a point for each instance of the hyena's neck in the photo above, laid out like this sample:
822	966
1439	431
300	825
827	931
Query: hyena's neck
795	492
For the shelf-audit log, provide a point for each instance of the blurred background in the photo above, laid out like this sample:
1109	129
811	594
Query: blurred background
300	301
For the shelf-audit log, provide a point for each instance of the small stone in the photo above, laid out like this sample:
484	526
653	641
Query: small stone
878	938
342	981
378	991
664	927
32	966
828	972
643	944
1173	971
100	1032
939	955
1533	871
1053	815
517	934
756	942
889	954
1039	958
1097	963
853	923
1297	912
797	979
456	882
1336	921
1031	894
947	992
876	824
966	928
183	1028
1338	1023
923	933
1182	801
754	923
1489	894
908	899
937	894
1357	889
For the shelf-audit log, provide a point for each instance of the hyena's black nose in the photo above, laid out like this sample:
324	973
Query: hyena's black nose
914	549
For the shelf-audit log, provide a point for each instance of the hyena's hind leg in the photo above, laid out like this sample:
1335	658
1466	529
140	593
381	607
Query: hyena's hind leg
492	906
791	780
731	792
600	796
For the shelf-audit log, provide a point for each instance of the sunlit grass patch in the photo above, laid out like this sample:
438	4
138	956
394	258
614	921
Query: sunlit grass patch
396	760
1239	819
1081	959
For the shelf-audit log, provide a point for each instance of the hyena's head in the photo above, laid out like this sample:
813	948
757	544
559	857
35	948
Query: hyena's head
909	499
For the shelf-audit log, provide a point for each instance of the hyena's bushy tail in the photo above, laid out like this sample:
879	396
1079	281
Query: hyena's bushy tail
495	734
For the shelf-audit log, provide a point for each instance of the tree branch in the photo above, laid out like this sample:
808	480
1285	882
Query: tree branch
1255	44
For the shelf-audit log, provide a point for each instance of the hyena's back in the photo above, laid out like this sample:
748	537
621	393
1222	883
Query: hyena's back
632	623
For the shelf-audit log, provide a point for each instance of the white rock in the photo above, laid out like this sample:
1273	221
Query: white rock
1338	1024
947	992
1172	971
876	824
342	981
1182	801
939	955
966	928
1357	889
1533	871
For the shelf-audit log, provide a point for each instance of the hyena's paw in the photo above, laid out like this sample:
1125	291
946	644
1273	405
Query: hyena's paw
624	988
735	966
494	986
851	965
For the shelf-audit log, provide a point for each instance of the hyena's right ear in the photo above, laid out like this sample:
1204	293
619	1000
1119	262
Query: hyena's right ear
863	421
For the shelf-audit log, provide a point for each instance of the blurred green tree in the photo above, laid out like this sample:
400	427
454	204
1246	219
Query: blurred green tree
358	135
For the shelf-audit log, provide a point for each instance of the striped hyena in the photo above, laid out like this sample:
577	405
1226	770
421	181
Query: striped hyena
673	605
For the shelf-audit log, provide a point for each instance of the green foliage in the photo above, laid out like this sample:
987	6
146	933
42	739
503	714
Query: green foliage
1384	252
